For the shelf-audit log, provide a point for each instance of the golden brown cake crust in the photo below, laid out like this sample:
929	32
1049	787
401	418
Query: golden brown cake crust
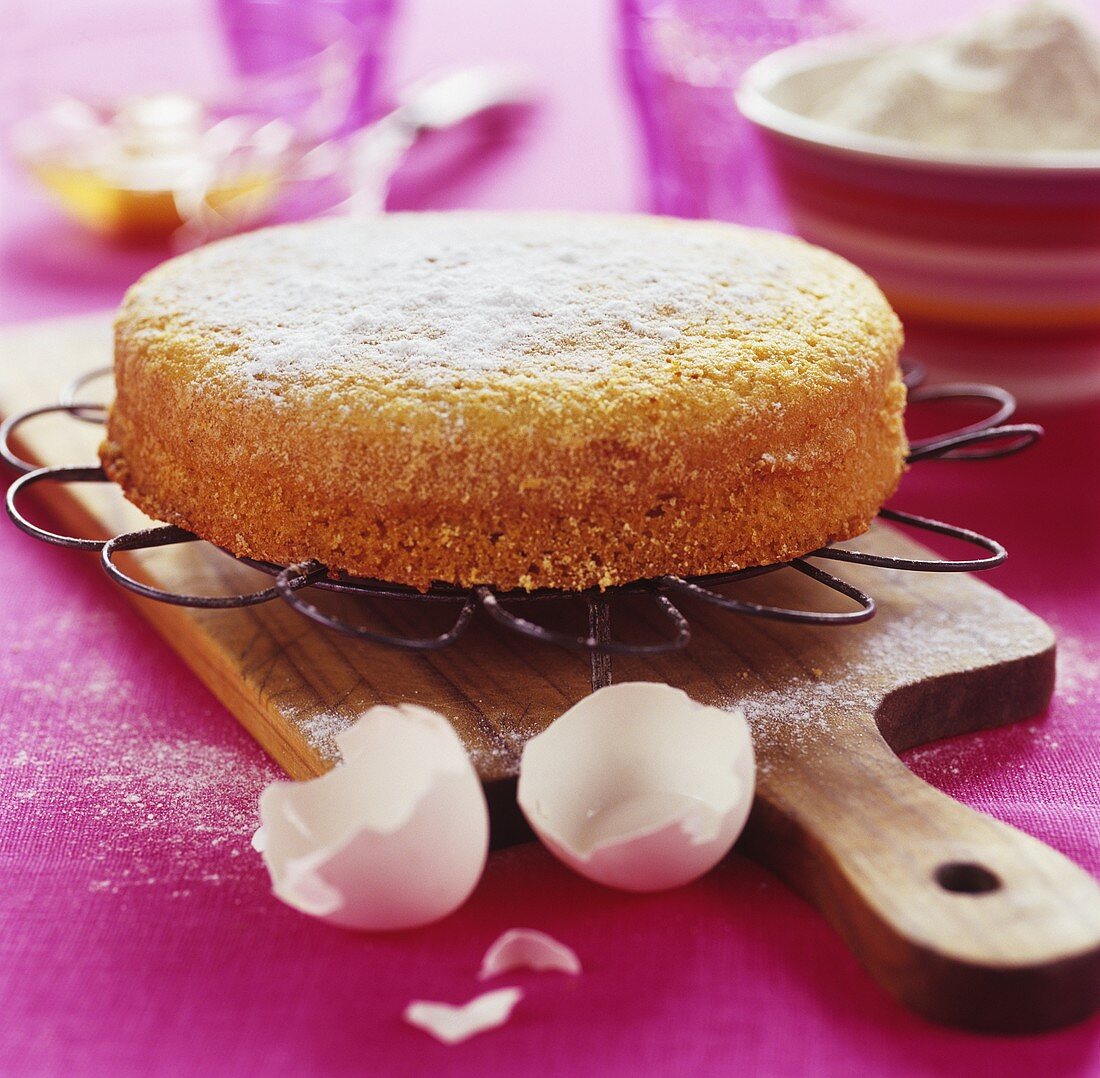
526	400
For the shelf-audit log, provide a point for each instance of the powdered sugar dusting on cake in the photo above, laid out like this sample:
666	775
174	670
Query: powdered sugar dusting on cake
431	298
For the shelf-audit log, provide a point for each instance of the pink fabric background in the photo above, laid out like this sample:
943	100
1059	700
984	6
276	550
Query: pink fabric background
137	932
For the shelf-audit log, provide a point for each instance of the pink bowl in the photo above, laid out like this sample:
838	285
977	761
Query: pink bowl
992	259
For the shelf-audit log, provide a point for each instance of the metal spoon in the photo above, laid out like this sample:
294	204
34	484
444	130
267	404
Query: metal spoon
370	156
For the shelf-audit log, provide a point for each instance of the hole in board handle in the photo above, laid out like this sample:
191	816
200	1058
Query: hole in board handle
966	878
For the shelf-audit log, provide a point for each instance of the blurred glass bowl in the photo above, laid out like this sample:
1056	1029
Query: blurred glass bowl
186	116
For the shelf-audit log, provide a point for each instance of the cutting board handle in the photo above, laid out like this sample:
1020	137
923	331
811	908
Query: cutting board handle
967	920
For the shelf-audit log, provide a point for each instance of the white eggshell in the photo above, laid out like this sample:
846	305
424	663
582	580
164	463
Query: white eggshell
638	786
452	1025
527	948
394	837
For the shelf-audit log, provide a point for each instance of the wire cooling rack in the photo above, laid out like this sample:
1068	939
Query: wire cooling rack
985	439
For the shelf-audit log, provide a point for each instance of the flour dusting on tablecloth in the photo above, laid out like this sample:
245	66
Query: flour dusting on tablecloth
150	801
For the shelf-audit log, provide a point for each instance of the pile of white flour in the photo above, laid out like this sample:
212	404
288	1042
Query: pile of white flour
1022	79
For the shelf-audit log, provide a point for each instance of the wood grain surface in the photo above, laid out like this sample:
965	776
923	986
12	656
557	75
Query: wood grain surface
965	919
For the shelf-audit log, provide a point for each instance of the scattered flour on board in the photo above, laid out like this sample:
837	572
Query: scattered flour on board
498	754
902	642
802	698
1077	682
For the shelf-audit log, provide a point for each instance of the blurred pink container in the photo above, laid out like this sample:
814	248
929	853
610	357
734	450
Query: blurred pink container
683	61
992	259
258	50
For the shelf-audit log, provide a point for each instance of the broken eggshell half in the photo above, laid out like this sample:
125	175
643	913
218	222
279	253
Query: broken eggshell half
638	786
394	837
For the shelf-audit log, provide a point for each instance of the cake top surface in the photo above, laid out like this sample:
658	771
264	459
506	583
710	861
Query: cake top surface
422	303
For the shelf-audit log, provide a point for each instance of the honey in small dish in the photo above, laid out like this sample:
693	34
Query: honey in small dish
155	163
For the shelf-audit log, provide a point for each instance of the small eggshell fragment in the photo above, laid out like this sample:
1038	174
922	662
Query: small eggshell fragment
527	948
638	786
394	837
451	1025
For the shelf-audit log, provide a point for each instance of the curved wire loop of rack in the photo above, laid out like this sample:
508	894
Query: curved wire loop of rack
986	439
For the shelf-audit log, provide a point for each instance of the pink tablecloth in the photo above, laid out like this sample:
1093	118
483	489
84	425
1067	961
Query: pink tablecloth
137	932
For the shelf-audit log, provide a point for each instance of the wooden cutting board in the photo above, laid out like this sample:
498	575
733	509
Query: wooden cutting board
968	921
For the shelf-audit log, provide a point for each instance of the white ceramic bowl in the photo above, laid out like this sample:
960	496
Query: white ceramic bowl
991	258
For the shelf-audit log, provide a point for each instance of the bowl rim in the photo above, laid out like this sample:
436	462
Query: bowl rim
752	98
